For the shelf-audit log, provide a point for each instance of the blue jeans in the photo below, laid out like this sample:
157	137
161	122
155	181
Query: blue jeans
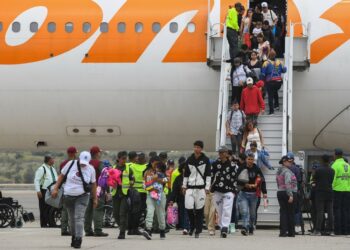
247	208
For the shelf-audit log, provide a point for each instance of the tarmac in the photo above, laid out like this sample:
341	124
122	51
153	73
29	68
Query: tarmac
31	236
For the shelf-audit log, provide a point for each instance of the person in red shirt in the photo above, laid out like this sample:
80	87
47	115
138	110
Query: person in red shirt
252	102
72	155
95	214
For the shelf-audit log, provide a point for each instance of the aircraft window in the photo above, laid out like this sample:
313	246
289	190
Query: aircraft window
51	27
121	27
156	27
174	27
138	27
191	27
16	27
0	26
104	27
33	27
69	27
86	27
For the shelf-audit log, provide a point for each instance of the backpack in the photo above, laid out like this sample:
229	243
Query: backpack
250	73
243	121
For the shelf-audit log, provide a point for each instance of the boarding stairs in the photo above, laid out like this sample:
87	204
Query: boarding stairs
276	129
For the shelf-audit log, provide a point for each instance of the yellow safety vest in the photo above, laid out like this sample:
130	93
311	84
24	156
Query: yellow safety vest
138	170
125	180
174	175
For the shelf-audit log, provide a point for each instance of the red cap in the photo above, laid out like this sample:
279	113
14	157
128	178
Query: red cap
72	150
94	150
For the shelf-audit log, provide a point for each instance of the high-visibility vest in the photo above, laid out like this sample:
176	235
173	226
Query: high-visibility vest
174	175
125	181
138	170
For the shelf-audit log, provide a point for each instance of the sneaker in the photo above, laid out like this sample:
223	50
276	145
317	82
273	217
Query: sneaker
147	234
89	234
251	231
100	234
191	232
162	234
121	236
282	235
223	235
232	228
185	232
196	236
211	233
277	108
271	114
77	243
65	233
244	232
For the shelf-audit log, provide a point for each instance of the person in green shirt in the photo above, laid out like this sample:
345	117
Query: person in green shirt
341	192
233	29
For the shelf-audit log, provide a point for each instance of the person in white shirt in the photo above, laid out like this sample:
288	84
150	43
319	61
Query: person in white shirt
45	175
269	15
80	183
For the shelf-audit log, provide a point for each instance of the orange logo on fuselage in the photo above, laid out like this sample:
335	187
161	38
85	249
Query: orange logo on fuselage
112	47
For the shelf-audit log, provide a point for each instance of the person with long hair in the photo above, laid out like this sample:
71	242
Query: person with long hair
245	28
252	133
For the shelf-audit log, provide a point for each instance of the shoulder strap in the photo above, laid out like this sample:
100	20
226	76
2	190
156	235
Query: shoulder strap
81	174
260	135
243	120
65	176
200	173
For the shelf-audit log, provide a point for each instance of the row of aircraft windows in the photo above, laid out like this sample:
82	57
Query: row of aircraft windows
104	27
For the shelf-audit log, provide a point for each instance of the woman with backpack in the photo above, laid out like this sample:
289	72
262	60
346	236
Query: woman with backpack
271	73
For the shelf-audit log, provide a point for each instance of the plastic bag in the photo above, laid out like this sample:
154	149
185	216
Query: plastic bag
172	214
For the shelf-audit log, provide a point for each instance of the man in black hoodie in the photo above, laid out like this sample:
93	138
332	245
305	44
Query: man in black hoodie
196	185
247	197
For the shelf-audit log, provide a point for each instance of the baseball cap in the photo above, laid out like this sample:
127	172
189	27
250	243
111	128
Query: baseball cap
171	162
223	149
283	159
181	160
338	151
290	155
250	81
85	157
72	150
264	5
94	150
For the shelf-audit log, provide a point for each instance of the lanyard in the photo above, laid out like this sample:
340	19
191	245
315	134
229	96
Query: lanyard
52	175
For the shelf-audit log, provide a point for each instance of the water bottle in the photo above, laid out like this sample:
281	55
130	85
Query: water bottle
266	204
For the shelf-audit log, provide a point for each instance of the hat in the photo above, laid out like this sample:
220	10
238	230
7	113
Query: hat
181	160
170	162
94	150
264	5
290	155
338	151
72	150
223	149
163	155
283	159
250	81
85	157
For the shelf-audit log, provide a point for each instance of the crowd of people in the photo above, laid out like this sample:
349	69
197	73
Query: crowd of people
218	193
255	37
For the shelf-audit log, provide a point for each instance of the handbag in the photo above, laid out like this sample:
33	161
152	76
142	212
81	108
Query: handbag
58	201
243	176
87	186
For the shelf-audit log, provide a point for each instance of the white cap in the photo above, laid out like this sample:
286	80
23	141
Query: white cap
85	157
264	5
250	81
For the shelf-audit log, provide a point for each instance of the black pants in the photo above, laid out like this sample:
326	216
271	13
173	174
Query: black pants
236	93
341	213
272	93
258	201
321	205
236	142
44	210
232	38
234	215
287	210
196	220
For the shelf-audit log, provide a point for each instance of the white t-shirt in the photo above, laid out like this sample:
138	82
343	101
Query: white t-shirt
270	16
74	184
